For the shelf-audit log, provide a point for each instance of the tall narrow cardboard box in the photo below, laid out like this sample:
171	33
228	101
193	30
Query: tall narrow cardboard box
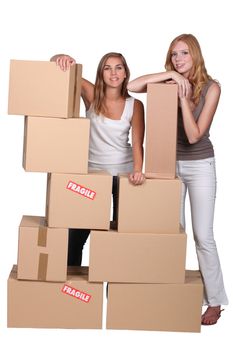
161	131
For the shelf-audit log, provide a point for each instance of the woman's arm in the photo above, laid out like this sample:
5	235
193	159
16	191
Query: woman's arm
195	130
87	88
138	127
140	84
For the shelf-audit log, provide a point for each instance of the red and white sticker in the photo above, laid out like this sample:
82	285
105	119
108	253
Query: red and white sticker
76	293
79	189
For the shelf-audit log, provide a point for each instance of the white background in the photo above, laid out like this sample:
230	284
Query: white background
87	29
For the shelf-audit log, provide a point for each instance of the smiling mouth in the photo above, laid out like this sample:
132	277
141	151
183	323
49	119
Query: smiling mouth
179	66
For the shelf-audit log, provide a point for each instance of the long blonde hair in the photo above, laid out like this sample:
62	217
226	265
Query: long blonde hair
198	76
99	90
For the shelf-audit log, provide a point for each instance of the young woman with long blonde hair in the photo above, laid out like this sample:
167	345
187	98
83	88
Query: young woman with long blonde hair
198	100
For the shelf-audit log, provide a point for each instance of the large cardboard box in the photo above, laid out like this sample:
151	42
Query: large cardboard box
151	207
73	304
40	88
157	307
56	145
42	251
79	201
137	258
161	131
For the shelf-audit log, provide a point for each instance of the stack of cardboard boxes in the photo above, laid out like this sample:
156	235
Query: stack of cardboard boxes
41	291
143	261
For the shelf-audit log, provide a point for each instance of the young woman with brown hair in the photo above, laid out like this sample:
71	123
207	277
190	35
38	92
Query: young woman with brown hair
112	113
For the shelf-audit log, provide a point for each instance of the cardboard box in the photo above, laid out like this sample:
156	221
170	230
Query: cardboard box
40	88
73	304
137	258
161	131
152	207
56	145
79	201
157	307
42	251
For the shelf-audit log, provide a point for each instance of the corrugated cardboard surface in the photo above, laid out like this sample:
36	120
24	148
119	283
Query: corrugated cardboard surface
151	207
56	145
158	307
42	251
139	258
34	304
40	88
66	208
161	131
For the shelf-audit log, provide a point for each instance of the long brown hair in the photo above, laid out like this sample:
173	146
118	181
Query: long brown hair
198	76
99	90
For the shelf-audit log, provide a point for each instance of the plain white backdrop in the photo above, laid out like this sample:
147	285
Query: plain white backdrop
87	29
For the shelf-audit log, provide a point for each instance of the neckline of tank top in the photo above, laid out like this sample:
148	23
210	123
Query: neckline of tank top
113	120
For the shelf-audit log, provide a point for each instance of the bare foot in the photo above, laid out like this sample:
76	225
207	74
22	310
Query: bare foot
211	315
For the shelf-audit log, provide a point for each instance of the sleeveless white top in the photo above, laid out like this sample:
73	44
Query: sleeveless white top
109	147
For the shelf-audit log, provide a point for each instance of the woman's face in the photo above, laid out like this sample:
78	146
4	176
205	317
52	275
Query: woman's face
114	72
181	58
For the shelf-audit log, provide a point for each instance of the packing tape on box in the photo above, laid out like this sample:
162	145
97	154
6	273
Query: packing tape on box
43	258
42	266
42	236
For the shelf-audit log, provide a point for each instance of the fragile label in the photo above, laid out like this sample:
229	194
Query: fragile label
83	191
76	293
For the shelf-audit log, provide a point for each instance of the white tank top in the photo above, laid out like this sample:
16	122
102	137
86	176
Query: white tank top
109	147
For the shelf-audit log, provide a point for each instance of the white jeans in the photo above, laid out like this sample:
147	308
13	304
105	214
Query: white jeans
199	178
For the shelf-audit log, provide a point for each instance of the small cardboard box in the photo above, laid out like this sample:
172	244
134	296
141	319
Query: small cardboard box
42	251
40	88
157	307
79	201
137	257
73	304
161	131
153	207
56	145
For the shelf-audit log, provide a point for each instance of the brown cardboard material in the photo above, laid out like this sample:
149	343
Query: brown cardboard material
73	304
157	307
161	131
79	201
153	207
40	88
137	258
42	251
56	145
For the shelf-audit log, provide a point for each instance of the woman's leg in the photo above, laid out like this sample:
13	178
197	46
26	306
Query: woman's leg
115	196
200	178
77	239
183	195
